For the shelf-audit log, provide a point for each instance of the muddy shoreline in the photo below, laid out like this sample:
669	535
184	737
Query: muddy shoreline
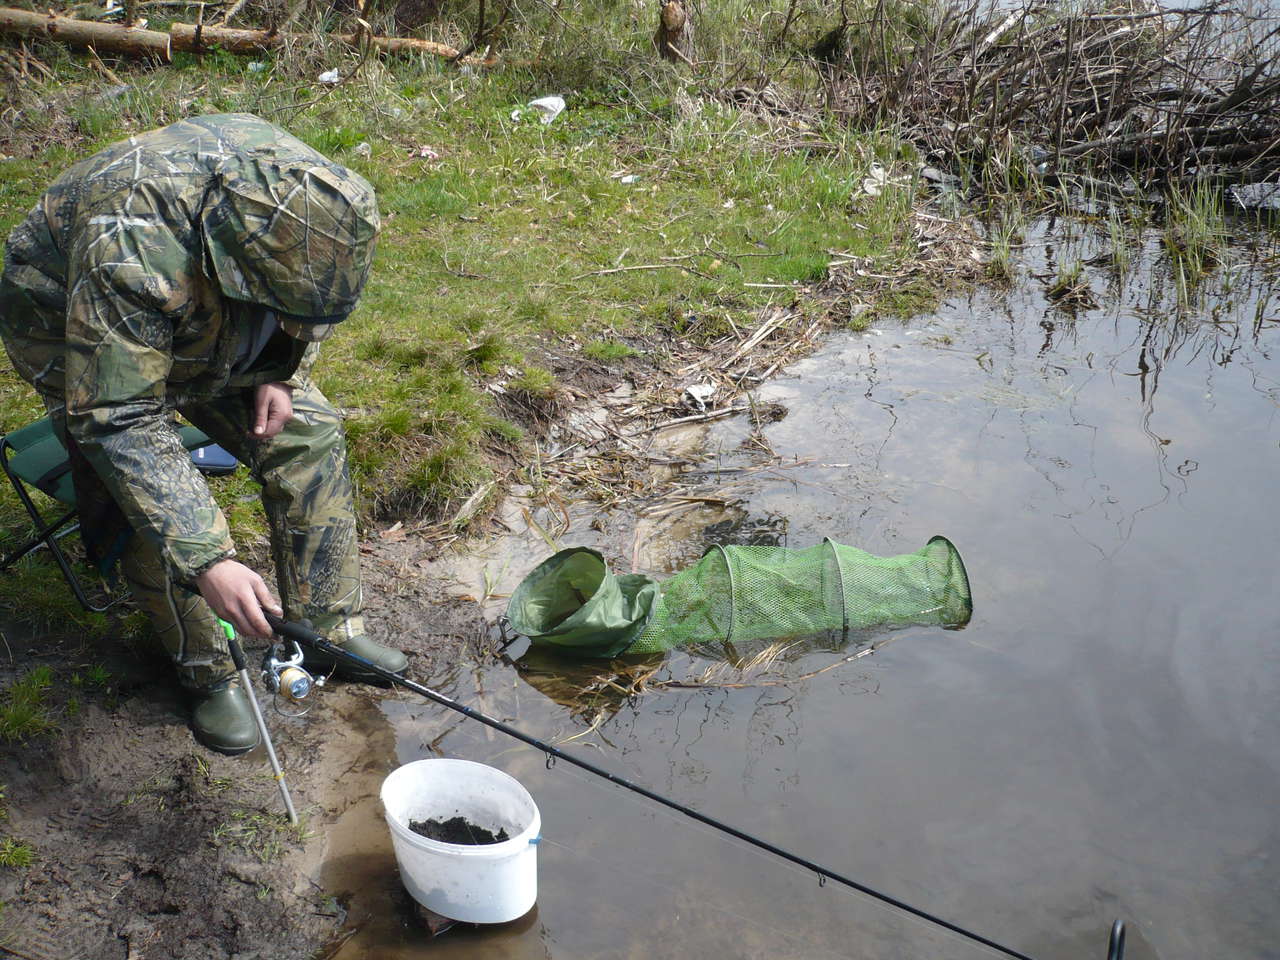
147	845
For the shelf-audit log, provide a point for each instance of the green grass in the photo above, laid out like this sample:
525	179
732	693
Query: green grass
502	239
16	854
1005	231
535	383
608	351
1120	245
33	590
24	707
262	836
1194	234
95	675
1070	287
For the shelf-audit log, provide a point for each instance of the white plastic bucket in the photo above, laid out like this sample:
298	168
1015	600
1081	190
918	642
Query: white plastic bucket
480	883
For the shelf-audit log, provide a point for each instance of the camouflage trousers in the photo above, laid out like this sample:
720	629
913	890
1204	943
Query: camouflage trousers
306	491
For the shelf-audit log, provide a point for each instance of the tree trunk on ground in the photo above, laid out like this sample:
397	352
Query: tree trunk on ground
674	36
113	38
187	36
103	37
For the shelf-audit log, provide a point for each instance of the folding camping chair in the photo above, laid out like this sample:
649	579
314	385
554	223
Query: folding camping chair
33	456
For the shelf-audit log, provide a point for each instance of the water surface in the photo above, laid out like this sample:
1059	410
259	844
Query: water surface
1102	740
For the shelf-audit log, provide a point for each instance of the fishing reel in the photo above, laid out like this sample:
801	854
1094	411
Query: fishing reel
284	674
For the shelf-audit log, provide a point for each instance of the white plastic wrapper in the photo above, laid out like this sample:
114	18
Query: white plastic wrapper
548	108
701	394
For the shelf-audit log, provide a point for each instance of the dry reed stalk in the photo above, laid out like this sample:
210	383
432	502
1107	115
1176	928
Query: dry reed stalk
1160	93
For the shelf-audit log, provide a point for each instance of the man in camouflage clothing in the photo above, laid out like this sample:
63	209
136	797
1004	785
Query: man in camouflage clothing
193	270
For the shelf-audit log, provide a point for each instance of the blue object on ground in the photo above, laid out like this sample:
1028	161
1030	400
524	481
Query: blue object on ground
213	459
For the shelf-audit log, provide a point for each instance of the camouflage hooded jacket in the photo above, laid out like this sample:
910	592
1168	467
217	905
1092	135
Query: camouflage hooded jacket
121	289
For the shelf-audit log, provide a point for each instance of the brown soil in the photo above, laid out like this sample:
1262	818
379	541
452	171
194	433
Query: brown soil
148	846
458	830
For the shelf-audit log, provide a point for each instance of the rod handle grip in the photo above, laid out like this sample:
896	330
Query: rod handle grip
237	654
292	631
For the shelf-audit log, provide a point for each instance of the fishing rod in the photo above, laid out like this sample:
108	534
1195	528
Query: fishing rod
302	633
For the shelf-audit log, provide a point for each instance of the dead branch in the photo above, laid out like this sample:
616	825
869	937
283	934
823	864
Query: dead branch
111	38
189	38
122	40
673	38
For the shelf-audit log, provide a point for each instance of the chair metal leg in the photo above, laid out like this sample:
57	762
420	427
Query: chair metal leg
46	534
39	539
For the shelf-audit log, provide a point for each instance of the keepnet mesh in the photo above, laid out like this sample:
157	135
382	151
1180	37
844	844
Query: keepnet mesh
739	594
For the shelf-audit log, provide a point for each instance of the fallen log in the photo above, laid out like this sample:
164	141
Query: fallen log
117	39
111	38
195	38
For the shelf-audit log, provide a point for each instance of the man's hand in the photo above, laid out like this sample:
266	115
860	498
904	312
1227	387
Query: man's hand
238	595
272	409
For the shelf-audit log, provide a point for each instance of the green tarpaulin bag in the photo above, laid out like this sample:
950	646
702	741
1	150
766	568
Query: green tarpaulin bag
573	600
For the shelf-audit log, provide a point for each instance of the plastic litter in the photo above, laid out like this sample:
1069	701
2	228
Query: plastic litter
1255	196
547	108
938	177
701	394
329	76
874	183
363	150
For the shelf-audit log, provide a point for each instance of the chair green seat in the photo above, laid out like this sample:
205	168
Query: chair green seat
38	457
33	456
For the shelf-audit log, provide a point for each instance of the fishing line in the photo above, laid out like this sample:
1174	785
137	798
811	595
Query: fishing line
304	634
640	876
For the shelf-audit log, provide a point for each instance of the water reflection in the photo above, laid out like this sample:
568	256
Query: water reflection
1102	739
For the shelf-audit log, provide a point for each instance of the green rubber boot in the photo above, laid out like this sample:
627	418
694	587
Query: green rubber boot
222	719
384	657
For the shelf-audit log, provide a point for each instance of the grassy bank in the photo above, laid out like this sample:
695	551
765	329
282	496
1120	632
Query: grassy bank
515	254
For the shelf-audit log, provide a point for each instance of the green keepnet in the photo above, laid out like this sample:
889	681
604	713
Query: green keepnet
573	600
739	594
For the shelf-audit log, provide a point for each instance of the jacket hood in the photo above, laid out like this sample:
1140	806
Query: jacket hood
296	237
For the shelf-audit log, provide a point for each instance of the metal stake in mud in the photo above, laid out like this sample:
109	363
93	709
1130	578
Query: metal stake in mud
242	669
